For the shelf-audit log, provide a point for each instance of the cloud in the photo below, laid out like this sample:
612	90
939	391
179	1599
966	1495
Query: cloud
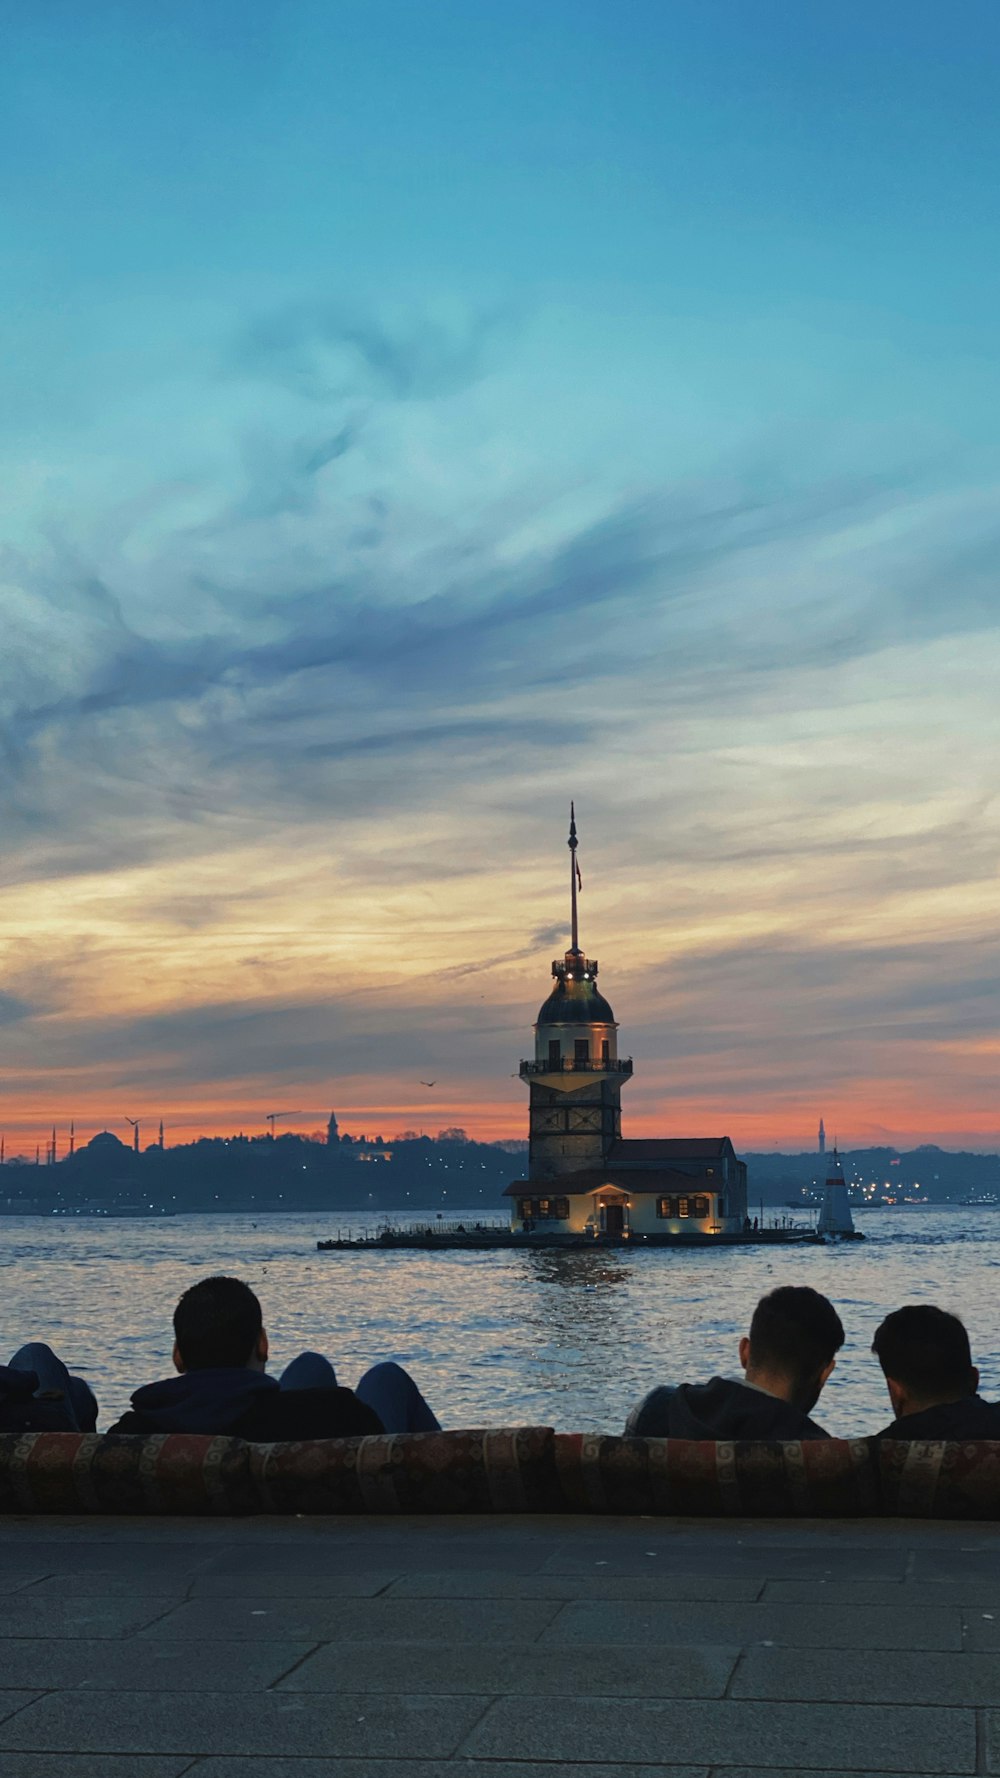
13	1009
417	673
323	351
363	649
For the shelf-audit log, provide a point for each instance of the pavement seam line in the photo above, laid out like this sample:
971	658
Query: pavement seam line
458	1751
559	1608
11	1714
175	1605
294	1667
981	1742
727	1690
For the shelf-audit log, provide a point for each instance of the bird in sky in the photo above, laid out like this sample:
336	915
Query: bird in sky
428	1083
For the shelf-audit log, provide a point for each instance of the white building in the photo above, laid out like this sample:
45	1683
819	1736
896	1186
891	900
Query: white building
835	1216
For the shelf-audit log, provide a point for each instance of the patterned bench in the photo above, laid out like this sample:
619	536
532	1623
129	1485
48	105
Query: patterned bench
528	1469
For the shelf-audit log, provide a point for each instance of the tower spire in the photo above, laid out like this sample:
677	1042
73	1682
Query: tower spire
574	882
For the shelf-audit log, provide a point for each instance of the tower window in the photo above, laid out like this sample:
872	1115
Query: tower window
581	1050
605	1050
555	1053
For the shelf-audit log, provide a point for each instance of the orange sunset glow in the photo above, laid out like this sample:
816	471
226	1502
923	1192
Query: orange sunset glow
771	947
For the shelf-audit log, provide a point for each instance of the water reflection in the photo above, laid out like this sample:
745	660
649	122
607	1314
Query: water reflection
580	1268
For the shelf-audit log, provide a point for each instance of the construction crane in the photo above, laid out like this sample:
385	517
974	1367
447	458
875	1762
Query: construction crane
272	1117
134	1121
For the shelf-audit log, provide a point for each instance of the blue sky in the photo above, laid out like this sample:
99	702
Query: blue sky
413	416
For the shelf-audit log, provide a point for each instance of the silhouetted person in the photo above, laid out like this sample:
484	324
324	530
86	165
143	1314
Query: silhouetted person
932	1382
220	1354
38	1394
787	1357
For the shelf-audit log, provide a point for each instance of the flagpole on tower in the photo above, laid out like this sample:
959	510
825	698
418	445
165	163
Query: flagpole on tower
574	880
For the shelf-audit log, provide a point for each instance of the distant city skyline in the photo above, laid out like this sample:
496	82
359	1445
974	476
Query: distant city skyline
416	417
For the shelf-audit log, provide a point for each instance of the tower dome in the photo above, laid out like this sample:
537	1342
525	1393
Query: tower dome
576	998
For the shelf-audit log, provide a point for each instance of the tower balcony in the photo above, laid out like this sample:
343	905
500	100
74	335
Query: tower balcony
574	967
571	1065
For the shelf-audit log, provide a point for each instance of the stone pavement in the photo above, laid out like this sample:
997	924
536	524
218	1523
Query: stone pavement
498	1648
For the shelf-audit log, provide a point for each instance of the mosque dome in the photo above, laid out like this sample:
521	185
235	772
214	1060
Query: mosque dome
105	1142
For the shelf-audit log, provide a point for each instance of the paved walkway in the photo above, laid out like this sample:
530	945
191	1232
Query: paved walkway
500	1648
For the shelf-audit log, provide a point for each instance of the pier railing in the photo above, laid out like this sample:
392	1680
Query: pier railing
422	1230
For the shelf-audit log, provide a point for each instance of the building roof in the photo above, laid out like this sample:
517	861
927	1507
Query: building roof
661	1150
591	1179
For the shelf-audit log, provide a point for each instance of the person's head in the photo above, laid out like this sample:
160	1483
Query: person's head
792	1345
925	1357
217	1325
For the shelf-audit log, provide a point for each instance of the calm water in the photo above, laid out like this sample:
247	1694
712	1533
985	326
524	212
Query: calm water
569	1340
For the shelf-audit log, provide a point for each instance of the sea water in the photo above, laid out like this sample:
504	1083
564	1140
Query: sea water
570	1340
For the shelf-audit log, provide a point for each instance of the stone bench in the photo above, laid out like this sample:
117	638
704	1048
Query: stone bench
529	1469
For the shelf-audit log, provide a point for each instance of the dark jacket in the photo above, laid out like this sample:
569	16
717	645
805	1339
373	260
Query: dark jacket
246	1404
19	1410
721	1409
970	1418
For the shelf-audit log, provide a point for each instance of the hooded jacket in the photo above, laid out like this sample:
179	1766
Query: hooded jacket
970	1418
721	1409
21	1412
243	1403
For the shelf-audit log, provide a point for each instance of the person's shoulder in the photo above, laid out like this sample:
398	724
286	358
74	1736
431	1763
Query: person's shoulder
649	1418
950	1422
765	1416
811	1430
133	1422
292	1414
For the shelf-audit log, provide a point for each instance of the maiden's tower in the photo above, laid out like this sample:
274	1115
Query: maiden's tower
583	1178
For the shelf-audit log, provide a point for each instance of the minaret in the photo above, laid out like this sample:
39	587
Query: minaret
160	1141
822	1137
575	1079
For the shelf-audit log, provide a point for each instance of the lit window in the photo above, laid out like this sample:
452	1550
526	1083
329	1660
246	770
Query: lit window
683	1207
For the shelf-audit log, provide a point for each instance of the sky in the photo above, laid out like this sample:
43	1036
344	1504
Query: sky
413	417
